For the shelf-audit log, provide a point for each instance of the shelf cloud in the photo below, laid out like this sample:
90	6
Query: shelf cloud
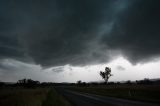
81	32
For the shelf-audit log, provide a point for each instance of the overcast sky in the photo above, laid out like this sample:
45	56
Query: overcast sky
70	40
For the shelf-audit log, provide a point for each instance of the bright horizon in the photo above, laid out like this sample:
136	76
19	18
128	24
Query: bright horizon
122	70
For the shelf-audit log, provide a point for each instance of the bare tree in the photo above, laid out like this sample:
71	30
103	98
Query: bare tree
106	74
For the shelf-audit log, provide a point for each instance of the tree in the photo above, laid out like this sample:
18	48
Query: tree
29	83
79	82
106	74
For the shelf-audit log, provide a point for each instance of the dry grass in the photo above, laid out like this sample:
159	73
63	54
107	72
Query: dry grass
31	97
150	93
22	97
54	99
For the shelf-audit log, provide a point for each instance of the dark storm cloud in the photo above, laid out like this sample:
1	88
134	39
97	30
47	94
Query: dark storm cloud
137	32
78	32
62	32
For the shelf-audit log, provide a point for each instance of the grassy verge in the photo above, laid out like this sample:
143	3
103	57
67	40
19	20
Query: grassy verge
31	97
147	93
22	97
54	99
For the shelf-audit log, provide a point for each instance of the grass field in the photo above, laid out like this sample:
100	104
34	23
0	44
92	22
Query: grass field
31	97
22	97
148	93
49	97
54	99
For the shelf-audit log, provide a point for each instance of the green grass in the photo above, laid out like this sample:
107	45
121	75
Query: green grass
148	93
22	97
54	99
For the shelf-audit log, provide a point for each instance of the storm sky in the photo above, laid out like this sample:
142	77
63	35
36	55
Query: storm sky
69	40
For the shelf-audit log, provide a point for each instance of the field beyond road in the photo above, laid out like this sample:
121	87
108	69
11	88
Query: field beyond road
88	99
146	93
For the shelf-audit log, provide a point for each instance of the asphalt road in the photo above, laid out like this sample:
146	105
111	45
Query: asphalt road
85	99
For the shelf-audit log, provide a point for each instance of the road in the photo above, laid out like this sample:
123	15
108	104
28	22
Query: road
85	99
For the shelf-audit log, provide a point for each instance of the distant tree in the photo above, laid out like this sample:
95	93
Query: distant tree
22	81
29	83
106	74
111	83
146	81
128	82
84	83
2	84
79	82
